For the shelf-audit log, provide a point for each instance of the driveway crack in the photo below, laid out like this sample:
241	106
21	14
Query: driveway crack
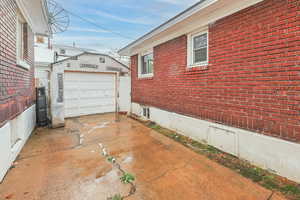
169	170
271	196
123	172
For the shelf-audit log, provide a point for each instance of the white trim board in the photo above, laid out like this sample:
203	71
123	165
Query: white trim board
279	156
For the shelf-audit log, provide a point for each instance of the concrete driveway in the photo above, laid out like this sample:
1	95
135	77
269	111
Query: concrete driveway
68	164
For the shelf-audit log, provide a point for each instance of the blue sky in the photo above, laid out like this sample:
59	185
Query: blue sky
131	18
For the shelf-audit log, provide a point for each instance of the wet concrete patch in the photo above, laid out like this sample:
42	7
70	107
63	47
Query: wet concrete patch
40	144
55	165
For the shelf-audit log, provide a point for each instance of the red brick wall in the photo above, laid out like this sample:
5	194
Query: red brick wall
16	84
252	81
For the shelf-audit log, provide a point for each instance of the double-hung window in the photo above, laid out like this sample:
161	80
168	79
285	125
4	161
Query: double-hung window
22	41
198	49
146	64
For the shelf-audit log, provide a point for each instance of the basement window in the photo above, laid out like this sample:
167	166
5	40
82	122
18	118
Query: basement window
22	41
146	112
198	49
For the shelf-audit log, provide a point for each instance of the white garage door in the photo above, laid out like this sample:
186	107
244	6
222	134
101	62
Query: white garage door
89	93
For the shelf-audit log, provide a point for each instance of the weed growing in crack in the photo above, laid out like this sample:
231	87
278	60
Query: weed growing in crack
116	197
111	159
127	178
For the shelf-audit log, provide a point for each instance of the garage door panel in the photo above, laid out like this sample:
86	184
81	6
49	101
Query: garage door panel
93	87
70	94
95	95
88	93
104	102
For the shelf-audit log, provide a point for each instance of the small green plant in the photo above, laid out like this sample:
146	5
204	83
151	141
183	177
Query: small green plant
252	173
111	159
212	149
127	178
117	197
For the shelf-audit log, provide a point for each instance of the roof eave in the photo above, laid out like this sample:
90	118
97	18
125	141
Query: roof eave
196	17
46	15
178	18
27	10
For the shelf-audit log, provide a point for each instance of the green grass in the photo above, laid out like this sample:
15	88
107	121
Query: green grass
291	190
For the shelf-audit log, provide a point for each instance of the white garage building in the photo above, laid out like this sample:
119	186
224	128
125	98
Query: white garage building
89	83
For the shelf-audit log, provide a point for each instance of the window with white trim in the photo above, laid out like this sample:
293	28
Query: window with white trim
198	49
146	64
22	41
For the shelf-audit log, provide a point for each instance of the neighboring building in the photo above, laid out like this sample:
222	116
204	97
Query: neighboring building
47	53
88	83
52	59
226	73
43	57
64	51
20	20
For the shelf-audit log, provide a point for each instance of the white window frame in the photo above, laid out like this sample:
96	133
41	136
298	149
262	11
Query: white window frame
19	42
190	49
140	55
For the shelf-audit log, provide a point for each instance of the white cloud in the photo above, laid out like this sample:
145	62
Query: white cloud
140	20
91	42
87	30
71	39
179	2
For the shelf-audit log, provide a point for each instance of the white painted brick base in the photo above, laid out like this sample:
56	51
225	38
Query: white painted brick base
280	156
24	124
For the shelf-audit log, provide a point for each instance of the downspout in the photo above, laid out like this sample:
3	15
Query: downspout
117	81
49	92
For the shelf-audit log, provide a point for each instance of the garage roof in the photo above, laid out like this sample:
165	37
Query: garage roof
91	53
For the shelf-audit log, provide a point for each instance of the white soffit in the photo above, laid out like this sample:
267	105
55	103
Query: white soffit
36	15
185	22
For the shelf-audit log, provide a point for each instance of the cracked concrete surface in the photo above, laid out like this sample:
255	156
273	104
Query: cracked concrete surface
55	165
